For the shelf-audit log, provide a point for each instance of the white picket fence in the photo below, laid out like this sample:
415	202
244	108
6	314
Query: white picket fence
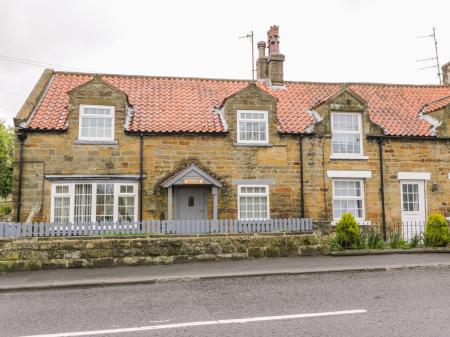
15	230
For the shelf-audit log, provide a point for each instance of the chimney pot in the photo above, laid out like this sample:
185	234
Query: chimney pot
273	40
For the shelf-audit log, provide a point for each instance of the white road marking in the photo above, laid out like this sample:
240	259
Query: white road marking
202	323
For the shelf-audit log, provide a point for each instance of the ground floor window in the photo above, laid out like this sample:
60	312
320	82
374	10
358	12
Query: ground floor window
94	202
253	202
348	197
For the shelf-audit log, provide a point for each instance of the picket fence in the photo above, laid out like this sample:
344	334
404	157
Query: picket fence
15	230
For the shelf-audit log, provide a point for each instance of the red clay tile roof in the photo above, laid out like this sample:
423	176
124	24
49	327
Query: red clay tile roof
186	105
436	105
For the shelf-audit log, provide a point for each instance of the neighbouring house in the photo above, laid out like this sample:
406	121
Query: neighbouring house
101	147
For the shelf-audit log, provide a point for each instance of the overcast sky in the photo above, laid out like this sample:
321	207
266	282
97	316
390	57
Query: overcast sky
332	41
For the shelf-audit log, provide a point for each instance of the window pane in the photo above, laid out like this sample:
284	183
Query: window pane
346	143
252	126
105	202
96	126
61	210
255	207
126	208
83	203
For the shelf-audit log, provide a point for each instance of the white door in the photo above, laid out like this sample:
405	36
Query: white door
413	207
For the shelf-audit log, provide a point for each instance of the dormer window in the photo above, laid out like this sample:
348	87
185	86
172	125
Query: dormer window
252	127
96	123
346	129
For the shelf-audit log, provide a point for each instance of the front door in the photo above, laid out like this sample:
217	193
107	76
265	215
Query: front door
191	202
413	207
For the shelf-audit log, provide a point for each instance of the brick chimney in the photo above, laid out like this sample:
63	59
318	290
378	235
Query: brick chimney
270	67
276	59
261	62
446	74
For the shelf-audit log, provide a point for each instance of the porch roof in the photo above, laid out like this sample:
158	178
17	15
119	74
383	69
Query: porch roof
191	175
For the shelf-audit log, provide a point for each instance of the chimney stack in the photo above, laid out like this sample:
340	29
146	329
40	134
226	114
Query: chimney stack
270	67
446	74
261	62
275	62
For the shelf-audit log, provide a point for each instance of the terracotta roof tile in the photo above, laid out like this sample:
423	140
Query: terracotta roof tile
186	104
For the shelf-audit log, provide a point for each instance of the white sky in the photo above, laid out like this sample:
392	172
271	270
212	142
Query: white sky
330	41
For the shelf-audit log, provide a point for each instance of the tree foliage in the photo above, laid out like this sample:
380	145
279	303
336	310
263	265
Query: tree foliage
6	159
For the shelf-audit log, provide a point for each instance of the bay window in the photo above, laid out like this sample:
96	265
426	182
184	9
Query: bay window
253	202
94	202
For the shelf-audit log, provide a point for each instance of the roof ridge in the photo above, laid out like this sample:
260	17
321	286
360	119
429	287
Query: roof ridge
153	76
372	83
248	80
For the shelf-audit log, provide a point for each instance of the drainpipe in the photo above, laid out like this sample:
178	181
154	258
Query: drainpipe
141	175
302	193
21	136
383	212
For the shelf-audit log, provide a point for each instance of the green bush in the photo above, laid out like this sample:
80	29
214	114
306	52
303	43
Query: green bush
5	210
436	230
347	231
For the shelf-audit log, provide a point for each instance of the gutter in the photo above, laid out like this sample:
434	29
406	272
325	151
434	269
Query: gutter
429	138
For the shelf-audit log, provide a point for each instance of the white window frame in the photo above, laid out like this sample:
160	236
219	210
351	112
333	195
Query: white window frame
359	155
362	198
81	113
265	194
265	120
117	185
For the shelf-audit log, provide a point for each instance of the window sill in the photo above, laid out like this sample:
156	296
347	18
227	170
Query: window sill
96	142
341	157
360	222
250	144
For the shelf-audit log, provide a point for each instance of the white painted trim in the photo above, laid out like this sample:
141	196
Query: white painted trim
266	120
80	117
360	222
266	194
349	174
414	176
449	176
348	157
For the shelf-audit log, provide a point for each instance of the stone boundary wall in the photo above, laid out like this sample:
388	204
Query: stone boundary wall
94	252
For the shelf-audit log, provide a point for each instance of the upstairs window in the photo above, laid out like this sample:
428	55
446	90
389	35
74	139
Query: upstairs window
96	122
252	127
346	132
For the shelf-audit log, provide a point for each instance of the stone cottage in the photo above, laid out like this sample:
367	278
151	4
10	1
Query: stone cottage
101	147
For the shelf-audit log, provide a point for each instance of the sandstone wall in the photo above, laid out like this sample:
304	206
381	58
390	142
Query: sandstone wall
34	254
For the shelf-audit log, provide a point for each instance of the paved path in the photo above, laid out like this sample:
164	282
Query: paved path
151	274
413	303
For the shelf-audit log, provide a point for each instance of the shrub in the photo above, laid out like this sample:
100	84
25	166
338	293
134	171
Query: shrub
5	210
436	230
347	231
335	246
